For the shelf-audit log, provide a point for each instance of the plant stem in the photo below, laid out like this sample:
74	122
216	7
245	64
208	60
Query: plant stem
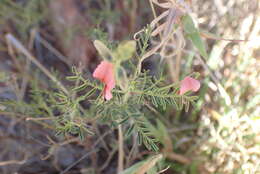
120	166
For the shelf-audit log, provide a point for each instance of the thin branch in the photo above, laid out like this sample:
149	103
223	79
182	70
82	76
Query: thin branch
11	162
76	162
120	166
52	49
39	119
177	157
87	154
108	160
18	45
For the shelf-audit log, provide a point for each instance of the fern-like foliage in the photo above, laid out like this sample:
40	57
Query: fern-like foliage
136	96
130	104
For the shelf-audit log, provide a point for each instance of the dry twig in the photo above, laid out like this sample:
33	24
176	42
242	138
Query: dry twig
18	45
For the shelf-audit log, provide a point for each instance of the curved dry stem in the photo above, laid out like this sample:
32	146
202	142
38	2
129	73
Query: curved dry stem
163	4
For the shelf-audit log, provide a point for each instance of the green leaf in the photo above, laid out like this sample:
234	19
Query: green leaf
194	35
199	44
125	50
130	130
188	25
159	132
123	121
80	88
103	51
85	96
193	168
145	135
72	78
62	96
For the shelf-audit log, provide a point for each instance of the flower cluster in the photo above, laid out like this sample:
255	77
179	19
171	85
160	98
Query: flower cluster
105	73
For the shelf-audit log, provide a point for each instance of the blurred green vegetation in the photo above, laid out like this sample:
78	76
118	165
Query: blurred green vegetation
218	134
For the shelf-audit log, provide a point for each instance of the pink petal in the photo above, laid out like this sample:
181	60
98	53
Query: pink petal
189	84
107	93
101	70
105	73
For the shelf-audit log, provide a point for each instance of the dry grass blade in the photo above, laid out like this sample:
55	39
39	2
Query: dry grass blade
162	5
166	29
179	158
52	49
11	162
76	162
18	45
149	164
214	37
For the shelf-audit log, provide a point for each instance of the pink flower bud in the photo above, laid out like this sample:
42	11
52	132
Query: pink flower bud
189	84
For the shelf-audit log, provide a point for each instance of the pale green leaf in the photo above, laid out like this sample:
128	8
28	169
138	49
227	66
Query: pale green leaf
194	35
121	77
188	24
125	50
103	51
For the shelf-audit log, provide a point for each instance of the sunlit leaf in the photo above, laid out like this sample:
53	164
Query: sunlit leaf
194	35
188	24
103	51
125	50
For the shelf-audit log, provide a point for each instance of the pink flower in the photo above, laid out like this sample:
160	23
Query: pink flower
105	73
189	84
